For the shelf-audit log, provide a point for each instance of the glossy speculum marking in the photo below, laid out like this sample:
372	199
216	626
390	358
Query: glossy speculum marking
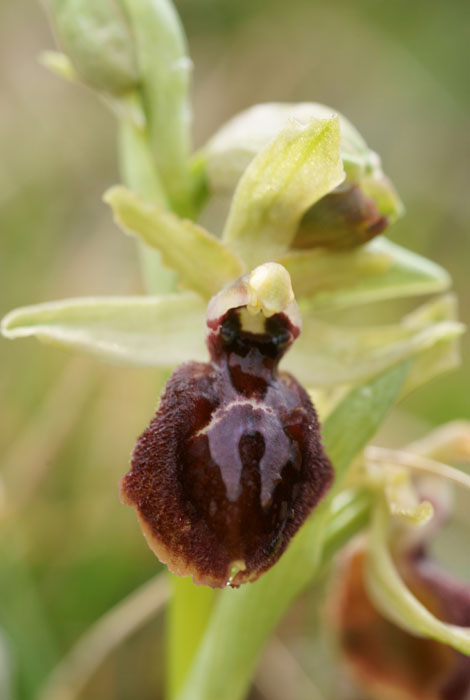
232	463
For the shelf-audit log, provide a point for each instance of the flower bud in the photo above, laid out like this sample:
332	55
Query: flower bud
357	210
232	463
96	37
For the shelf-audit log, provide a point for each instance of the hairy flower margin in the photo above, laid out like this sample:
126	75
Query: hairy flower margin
297	186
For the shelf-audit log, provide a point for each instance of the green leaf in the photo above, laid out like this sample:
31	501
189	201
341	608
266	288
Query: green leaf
394	600
244	618
142	331
379	270
325	355
297	168
355	420
202	262
6	668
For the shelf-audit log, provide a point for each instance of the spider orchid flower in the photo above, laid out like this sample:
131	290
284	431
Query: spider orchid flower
251	265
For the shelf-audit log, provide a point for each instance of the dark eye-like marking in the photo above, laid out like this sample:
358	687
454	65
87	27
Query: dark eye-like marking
232	463
230	330
280	335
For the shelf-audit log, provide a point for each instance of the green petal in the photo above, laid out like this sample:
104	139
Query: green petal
244	618
395	601
379	270
325	355
231	149
202	262
297	168
142	331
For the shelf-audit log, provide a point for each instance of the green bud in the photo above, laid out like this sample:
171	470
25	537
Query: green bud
96	37
357	210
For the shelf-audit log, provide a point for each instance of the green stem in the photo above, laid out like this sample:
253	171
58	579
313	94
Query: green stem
165	69
187	619
190	605
139	173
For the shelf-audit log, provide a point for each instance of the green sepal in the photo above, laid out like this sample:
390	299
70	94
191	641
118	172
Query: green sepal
325	355
378	271
146	331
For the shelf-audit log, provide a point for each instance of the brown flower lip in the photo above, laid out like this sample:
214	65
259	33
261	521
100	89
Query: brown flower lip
232	463
388	662
343	219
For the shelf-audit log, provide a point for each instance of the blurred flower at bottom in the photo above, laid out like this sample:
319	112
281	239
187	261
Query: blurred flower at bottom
387	662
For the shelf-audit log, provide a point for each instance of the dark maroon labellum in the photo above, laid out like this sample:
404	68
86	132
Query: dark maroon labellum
232	463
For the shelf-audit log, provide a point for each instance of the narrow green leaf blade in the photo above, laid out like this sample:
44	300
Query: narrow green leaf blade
202	262
291	173
244	618
144	331
356	419
380	270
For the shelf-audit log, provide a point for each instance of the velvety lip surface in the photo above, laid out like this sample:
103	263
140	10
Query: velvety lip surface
232	462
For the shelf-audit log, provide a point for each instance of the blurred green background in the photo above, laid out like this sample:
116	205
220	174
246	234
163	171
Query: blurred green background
69	549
